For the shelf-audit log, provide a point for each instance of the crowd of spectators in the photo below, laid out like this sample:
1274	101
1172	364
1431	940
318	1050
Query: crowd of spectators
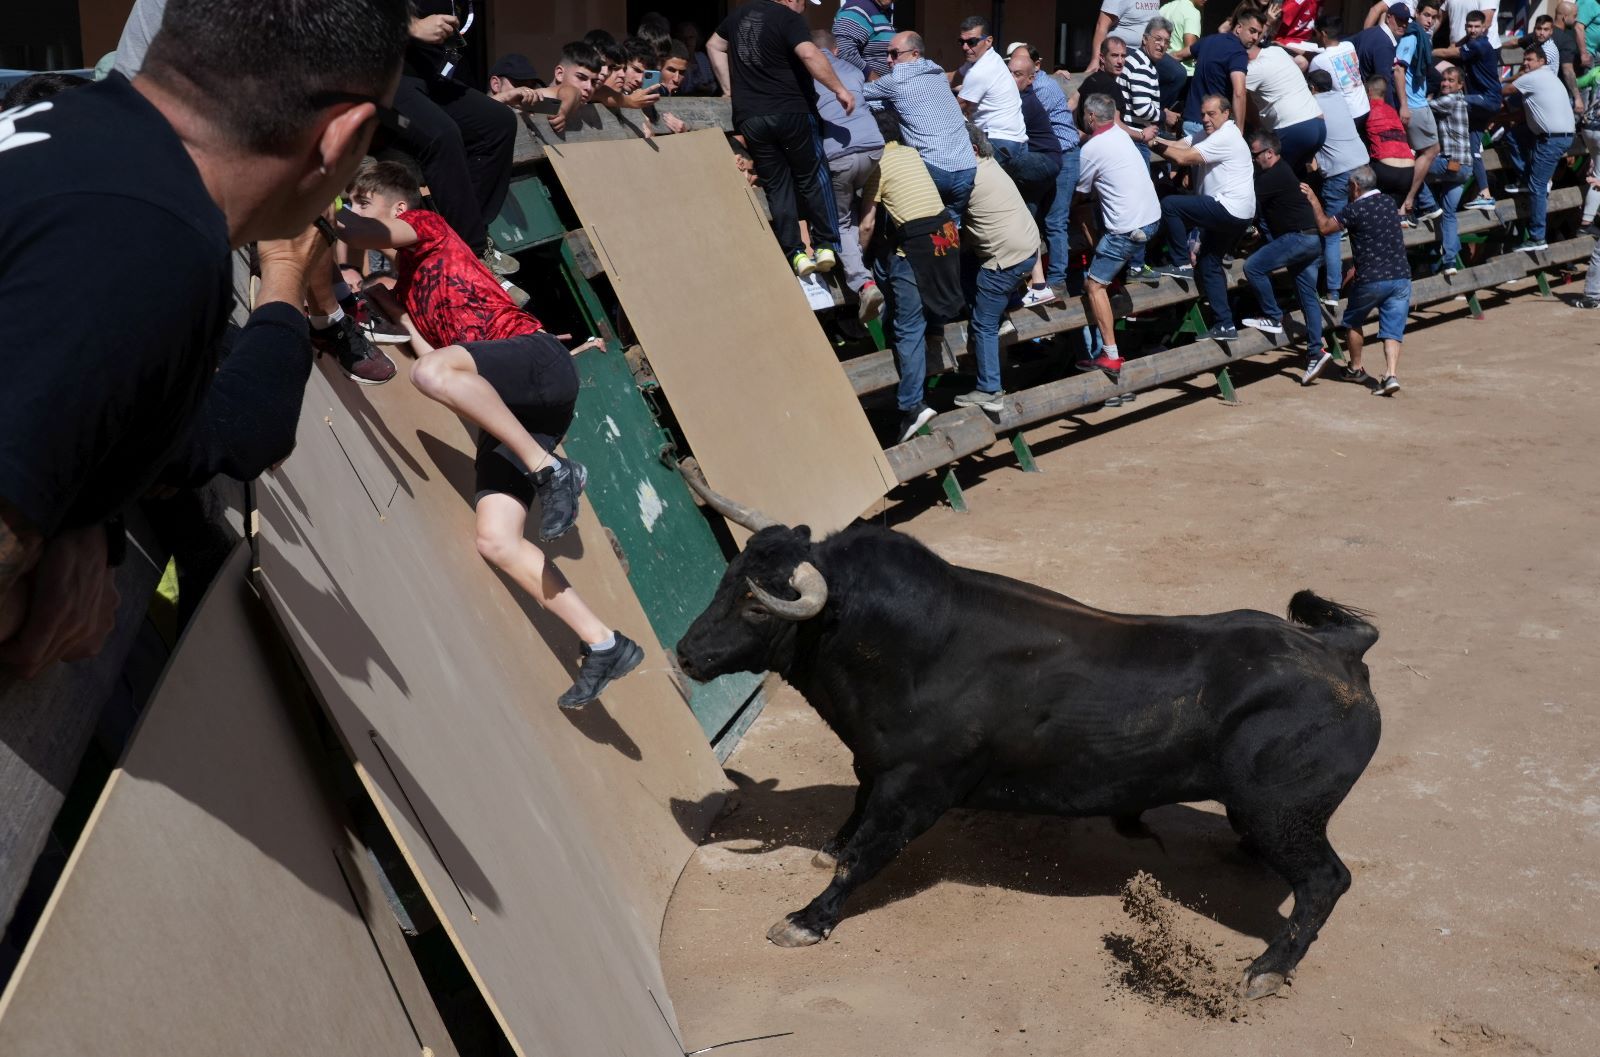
1283	139
939	195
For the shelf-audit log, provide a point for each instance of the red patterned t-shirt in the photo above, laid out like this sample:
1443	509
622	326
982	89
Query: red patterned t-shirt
453	296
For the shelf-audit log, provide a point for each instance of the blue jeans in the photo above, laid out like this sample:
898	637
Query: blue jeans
954	188
1302	140
989	290
1113	252
1193	129
1451	186
903	305
1301	253
1058	219
1481	109
1219	233
1535	159
1335	196
1392	299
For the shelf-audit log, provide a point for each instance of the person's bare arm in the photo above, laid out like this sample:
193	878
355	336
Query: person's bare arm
821	70
1185	53
717	52
1102	26
1400	103
1375	14
373	233
1175	152
1326	225
1569	77
1241	100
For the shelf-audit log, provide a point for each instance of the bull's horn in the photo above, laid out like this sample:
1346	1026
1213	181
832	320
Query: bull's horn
749	517
813	588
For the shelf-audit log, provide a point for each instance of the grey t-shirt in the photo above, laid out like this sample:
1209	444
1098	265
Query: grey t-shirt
1546	101
143	22
1343	149
1132	15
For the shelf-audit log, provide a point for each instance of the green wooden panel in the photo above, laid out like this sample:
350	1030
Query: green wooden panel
672	559
528	218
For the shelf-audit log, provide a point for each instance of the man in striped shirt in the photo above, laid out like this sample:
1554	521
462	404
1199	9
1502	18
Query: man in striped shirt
1139	79
930	119
864	29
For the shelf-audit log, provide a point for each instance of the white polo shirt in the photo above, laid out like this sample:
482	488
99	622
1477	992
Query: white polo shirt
1111	167
991	88
1226	173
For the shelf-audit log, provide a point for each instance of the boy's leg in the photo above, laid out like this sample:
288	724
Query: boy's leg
502	518
450	376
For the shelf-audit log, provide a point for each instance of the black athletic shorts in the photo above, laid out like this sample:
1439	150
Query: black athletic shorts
534	375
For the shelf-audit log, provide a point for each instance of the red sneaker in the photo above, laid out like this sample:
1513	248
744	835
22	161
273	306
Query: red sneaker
1110	364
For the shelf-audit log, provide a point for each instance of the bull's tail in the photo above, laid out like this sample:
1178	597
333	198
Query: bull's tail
1349	630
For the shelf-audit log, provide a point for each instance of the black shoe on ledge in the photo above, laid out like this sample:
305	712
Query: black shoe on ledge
558	488
598	668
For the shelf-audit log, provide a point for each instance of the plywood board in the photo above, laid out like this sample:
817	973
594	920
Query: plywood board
205	909
547	842
751	377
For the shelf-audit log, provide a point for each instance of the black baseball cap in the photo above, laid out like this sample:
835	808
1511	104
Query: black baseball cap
515	67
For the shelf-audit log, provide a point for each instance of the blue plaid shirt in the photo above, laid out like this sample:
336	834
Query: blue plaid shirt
1050	93
930	118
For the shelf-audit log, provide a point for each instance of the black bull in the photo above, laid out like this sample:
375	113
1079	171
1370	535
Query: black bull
954	687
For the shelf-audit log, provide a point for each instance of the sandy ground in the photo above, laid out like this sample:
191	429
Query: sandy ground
1463	513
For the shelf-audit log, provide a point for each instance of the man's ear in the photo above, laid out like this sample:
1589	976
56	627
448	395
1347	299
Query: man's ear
400	207
344	139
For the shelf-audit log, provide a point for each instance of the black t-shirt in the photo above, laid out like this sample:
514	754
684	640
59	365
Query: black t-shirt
1280	203
768	77
104	367
1101	83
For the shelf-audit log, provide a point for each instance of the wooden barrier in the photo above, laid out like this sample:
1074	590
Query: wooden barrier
960	433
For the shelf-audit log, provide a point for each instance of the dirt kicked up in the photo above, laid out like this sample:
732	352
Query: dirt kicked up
1465	514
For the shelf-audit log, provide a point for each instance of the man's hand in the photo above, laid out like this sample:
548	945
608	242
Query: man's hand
846	99
642	98
286	263
71	600
674	123
435	29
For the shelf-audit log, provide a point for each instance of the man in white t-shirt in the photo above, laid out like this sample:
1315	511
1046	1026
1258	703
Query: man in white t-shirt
1338	58
1220	212
989	95
1458	10
1285	106
1111	168
1123	19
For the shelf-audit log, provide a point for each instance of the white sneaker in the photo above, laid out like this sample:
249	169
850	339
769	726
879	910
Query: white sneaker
1265	324
1315	362
1039	295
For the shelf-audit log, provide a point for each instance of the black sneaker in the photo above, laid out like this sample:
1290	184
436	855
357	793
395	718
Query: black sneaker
1218	332
913	420
558	488
357	357
1586	302
599	667
1358	375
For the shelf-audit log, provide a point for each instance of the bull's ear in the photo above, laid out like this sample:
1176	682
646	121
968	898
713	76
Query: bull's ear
804	532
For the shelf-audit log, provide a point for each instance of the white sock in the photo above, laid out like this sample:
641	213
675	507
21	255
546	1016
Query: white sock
1109	350
607	643
324	322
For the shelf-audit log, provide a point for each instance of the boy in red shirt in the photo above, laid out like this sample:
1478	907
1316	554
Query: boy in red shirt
495	365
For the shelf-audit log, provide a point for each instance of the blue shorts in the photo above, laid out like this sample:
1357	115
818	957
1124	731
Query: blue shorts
1113	251
1392	299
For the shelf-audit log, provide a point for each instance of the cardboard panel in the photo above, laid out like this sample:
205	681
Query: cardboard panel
206	910
751	377
543	838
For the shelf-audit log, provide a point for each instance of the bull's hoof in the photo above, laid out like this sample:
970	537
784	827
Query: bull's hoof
824	860
1261	985
788	933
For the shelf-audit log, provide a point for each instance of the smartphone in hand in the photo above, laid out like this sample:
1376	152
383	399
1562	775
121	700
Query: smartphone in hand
652	81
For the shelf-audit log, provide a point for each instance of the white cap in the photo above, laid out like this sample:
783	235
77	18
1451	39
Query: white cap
1014	45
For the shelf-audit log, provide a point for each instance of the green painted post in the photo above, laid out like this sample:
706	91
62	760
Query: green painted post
1544	283
875	328
1225	384
1335	345
1473	306
1024	454
952	491
1192	323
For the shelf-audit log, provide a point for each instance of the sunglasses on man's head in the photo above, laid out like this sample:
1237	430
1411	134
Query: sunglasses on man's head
972	42
1259	153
